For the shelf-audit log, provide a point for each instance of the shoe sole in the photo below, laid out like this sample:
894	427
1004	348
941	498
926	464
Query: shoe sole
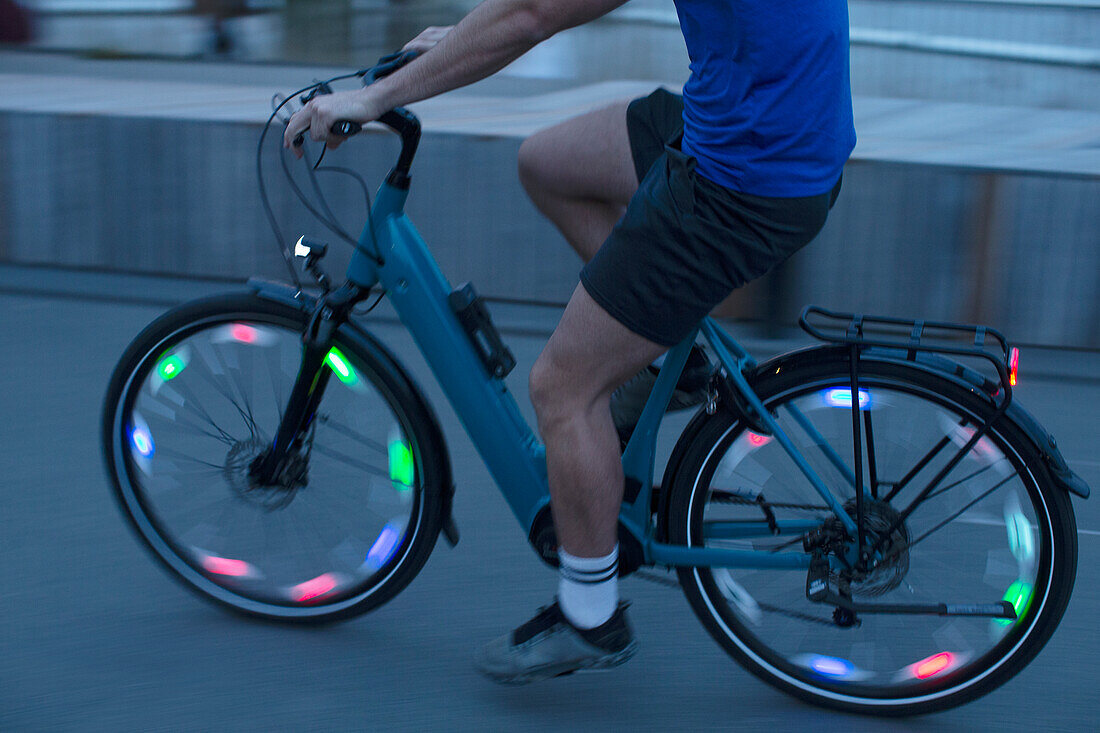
550	671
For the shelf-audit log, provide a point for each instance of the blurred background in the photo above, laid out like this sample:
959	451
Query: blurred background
971	195
128	132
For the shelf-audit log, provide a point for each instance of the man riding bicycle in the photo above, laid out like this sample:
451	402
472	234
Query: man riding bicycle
672	203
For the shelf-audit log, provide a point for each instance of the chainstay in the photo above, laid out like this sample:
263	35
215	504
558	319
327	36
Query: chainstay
652	577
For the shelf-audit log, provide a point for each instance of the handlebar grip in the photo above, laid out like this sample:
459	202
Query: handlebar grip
343	128
346	128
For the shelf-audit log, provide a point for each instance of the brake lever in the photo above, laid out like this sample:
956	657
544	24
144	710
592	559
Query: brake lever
282	108
320	88
346	128
387	65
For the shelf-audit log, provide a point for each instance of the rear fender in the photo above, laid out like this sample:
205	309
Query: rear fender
1039	436
962	375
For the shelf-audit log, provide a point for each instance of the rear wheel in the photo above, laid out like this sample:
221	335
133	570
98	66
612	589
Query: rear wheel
197	398
996	528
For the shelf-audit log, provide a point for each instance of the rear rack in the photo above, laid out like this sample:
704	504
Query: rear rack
912	336
859	332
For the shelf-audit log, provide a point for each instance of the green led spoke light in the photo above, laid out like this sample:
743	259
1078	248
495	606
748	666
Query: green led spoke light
401	465
1020	541
340	367
1019	595
171	367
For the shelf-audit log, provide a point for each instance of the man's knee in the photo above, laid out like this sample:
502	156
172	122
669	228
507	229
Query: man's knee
531	162
557	393
545	386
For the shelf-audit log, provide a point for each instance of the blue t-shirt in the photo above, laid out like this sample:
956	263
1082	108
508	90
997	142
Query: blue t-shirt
768	106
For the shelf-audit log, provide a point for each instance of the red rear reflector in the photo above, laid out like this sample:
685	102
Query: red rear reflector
1013	365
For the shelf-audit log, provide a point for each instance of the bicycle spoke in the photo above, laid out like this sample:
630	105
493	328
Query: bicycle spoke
183	456
354	463
924	461
347	431
960	482
947	521
194	404
226	391
196	429
231	376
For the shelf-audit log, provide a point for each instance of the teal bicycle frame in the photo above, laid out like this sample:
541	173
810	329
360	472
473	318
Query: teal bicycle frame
406	270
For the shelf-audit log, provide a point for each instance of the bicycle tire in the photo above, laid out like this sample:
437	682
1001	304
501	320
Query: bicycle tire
243	583
836	681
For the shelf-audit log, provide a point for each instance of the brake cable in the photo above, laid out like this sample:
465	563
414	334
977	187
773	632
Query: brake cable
327	218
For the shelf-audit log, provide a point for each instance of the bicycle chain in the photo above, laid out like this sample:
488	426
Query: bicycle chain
731	499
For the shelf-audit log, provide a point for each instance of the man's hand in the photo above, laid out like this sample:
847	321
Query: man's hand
325	110
428	38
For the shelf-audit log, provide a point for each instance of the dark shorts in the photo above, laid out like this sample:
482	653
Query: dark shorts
686	242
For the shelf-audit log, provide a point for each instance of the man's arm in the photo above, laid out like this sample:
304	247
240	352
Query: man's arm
494	34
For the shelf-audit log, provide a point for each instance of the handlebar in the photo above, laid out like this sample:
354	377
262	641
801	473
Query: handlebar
385	66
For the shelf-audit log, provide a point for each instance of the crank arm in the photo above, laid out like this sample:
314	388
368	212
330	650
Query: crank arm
819	591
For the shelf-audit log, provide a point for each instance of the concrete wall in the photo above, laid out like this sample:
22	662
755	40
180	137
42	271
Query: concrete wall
641	40
1021	252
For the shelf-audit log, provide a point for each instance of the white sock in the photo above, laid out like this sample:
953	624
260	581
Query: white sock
588	591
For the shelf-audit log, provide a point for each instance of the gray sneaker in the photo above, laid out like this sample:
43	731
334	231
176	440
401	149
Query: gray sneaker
549	646
628	401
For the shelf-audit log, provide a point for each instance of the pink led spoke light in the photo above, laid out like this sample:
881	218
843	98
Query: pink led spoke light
758	440
226	566
314	588
932	666
244	334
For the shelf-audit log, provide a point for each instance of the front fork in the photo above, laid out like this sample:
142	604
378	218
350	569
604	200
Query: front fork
309	386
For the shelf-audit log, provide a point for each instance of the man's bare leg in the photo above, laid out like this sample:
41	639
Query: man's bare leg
580	175
589	355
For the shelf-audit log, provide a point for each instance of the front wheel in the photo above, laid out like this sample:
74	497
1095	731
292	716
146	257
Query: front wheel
197	398
996	528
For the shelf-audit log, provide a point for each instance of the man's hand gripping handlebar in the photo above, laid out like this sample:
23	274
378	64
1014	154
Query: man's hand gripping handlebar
332	117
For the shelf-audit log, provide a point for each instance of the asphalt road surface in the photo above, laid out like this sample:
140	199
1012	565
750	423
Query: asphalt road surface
96	637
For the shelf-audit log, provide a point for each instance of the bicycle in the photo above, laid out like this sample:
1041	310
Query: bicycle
278	460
